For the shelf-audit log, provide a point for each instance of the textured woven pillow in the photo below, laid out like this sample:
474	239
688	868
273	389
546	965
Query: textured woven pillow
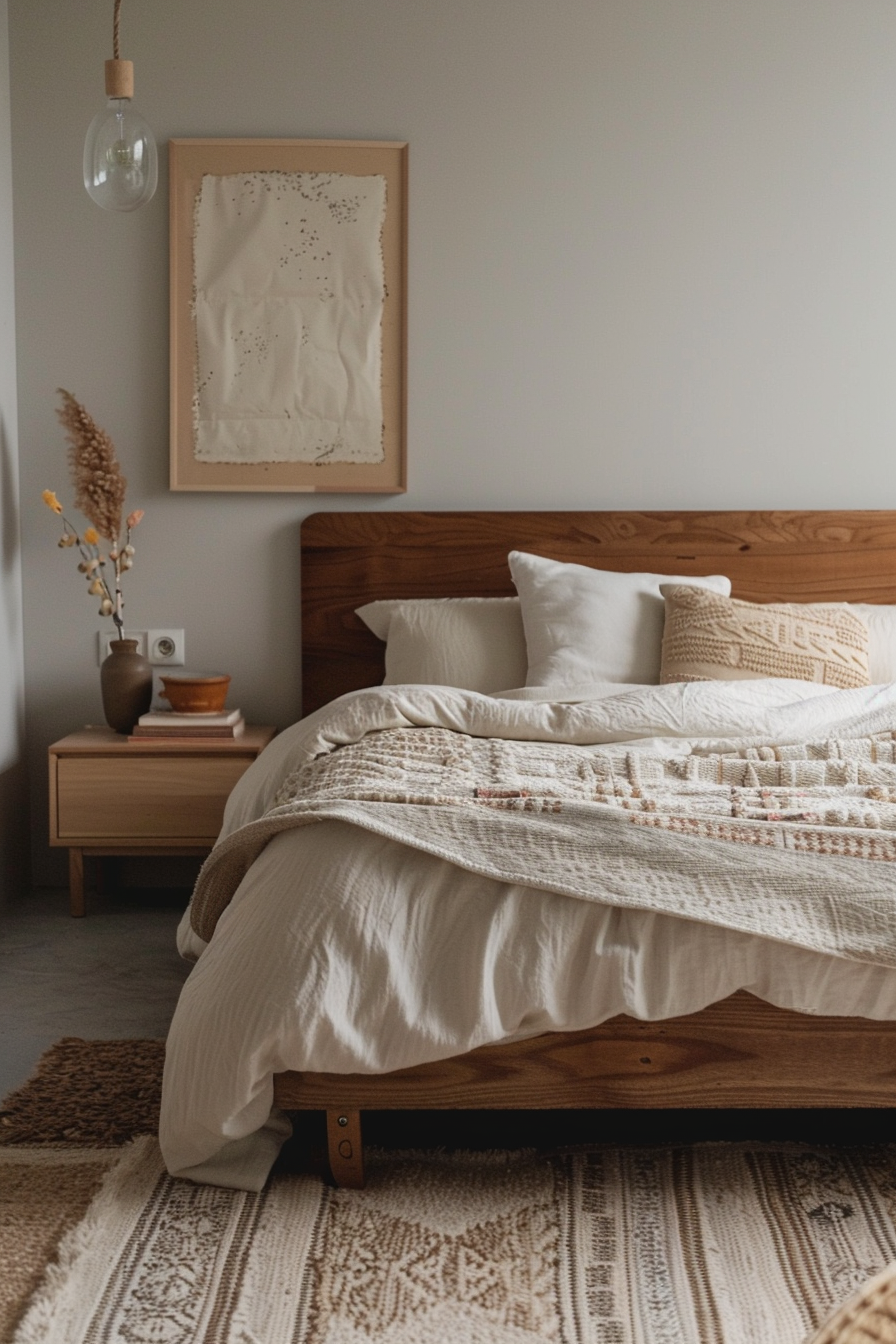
708	637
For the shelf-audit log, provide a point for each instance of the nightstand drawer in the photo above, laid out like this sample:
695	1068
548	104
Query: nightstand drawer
149	798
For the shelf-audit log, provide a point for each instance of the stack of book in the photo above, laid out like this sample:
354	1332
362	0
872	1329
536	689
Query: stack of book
165	724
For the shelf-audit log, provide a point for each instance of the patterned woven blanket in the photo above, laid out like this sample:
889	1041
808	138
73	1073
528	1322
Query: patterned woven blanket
795	842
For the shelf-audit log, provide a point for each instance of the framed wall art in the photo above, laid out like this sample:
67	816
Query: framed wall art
288	315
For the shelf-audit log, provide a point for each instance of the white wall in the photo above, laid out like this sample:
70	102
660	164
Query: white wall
651	264
12	774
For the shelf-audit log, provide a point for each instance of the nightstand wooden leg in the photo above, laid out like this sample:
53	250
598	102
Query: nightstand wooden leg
345	1148
76	883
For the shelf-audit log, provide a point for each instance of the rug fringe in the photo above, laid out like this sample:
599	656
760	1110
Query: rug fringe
49	1317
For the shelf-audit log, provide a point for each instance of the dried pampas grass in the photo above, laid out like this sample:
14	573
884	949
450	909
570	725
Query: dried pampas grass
99	484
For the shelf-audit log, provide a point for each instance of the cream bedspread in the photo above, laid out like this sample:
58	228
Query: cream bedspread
352	945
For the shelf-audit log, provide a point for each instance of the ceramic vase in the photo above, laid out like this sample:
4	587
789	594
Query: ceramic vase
126	685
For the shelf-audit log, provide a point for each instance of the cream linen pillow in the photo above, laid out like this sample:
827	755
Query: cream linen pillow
475	643
588	625
713	638
880	619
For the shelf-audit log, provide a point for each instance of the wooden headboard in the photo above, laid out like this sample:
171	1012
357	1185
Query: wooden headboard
352	558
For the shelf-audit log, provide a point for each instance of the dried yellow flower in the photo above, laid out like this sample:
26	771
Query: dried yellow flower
91	536
51	501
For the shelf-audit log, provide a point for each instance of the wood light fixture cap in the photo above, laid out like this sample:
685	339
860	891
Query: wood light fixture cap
119	79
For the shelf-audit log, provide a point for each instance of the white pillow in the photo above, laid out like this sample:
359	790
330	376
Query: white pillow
590	625
475	643
881	622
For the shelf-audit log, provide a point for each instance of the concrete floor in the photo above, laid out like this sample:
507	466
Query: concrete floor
115	973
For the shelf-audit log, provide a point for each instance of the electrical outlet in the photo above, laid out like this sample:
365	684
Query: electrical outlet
165	648
104	643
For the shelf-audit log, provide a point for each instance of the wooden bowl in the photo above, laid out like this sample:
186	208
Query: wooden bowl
195	695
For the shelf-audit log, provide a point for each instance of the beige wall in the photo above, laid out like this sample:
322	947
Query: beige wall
651	264
12	775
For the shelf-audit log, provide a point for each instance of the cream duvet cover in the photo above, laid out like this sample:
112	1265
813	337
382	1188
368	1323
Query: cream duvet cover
412	872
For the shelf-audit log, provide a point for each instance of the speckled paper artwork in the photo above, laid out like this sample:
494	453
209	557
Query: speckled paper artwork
288	299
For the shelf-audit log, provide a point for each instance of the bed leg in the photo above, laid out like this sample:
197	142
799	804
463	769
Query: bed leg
345	1148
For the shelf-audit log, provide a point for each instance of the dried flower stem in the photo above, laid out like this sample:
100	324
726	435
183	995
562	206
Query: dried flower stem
99	493
95	564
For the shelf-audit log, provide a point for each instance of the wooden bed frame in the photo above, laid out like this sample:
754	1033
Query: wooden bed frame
741	1052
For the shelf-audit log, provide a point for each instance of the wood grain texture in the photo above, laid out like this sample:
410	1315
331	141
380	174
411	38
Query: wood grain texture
352	558
76	904
345	1148
105	789
99	797
741	1052
102	741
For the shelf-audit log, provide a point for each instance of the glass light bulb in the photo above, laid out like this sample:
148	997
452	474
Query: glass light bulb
121	162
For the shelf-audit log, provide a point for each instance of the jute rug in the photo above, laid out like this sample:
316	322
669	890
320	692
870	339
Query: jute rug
99	1093
701	1244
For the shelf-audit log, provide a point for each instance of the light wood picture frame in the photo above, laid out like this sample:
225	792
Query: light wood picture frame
200	170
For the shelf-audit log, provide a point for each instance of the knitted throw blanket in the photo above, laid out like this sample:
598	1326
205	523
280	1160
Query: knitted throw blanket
794	842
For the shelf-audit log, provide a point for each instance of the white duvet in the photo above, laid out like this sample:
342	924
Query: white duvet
346	951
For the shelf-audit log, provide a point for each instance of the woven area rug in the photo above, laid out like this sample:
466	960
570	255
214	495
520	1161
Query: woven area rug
711	1244
689	1244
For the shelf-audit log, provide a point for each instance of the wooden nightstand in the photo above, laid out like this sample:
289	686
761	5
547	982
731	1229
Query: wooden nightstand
111	796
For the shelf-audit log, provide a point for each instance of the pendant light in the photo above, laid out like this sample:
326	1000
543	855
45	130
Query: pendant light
121	162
